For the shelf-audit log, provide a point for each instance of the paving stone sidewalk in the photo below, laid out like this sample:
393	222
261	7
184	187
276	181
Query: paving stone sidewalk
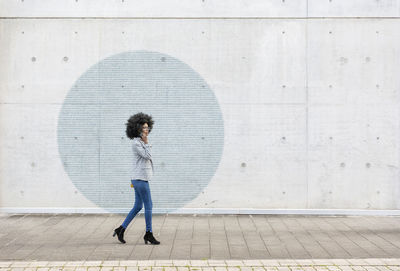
79	237
209	265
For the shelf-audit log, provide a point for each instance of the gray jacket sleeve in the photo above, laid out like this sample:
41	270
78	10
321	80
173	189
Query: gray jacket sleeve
142	149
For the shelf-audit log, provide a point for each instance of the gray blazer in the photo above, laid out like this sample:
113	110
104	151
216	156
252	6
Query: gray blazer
142	164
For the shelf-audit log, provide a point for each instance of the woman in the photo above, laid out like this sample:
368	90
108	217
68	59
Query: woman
138	128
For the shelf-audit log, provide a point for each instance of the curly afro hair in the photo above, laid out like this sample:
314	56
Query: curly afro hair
135	124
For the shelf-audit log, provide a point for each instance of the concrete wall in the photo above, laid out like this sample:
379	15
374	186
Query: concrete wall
260	106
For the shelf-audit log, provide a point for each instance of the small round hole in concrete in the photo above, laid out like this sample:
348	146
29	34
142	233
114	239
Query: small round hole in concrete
368	165
65	58
243	164
33	59
342	164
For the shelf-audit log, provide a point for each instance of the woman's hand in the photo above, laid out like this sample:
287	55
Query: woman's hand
144	138
145	133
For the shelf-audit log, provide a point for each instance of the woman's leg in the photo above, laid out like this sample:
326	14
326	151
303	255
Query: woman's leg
138	203
148	207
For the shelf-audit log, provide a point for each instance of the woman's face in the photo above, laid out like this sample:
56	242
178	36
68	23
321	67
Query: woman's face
145	129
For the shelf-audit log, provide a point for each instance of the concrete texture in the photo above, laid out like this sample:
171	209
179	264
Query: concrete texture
309	94
324	112
188	237
201	8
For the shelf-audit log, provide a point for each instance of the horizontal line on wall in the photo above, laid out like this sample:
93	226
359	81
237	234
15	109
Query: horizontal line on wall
196	18
222	103
210	211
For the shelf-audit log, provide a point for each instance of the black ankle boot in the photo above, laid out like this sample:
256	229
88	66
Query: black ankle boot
120	233
148	237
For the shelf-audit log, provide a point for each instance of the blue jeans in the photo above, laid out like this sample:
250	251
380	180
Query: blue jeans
142	195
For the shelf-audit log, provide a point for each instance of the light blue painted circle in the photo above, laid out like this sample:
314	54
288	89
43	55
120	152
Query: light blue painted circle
187	138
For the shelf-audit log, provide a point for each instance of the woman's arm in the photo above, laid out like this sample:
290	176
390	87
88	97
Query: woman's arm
142	149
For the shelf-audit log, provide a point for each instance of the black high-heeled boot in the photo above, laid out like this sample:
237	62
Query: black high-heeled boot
120	233
148	237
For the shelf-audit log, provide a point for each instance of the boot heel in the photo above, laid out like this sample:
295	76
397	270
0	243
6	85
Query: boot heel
150	238
120	233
